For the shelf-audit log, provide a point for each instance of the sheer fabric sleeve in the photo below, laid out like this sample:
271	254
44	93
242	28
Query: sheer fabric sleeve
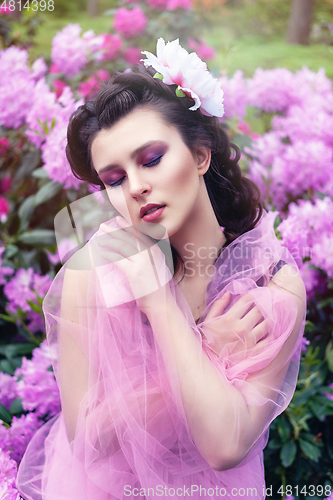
124	428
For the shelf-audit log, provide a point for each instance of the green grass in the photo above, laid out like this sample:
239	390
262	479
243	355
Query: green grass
233	36
240	44
273	54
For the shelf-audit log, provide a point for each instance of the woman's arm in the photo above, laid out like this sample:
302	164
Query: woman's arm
222	424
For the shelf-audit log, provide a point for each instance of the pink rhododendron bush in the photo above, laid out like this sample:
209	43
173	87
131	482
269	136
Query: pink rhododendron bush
282	121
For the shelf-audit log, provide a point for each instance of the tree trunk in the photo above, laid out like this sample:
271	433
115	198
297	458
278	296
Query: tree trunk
92	7
300	19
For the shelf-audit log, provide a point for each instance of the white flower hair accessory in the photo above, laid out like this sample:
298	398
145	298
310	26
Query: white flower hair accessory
174	65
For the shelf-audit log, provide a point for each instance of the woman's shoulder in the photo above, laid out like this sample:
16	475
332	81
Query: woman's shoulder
287	279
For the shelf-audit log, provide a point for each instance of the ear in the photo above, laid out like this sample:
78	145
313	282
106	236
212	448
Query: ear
203	156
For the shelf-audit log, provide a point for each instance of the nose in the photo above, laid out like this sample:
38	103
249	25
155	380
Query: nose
138	185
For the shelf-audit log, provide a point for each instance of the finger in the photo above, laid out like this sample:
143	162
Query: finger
252	317
218	307
260	346
143	232
122	248
111	256
260	331
241	307
125	236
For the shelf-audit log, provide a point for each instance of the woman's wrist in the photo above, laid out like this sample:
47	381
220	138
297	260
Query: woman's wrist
157	302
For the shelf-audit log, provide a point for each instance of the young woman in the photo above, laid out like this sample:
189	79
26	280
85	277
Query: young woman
170	370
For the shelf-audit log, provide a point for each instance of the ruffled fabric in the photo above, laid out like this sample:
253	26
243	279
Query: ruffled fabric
132	437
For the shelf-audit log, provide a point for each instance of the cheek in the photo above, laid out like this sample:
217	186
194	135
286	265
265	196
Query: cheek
184	178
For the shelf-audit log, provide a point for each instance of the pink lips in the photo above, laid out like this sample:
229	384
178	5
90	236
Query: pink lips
152	216
145	209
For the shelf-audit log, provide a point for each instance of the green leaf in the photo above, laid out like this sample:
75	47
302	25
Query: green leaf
16	407
19	349
288	453
329	355
11	250
40	173
158	76
30	161
325	302
304	396
179	92
310	450
47	192
44	125
25	211
8	318
318	410
274	444
34	306
38	237
5	415
284	429
310	327
7	367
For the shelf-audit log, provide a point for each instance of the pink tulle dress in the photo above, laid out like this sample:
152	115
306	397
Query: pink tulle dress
132	437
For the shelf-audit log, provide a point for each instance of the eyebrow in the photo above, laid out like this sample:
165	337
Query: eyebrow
134	154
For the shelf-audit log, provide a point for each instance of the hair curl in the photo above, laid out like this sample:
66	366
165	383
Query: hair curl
235	199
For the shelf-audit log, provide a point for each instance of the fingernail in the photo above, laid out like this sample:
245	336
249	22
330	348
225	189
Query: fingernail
224	295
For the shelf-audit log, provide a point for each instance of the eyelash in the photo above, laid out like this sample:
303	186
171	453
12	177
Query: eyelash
151	163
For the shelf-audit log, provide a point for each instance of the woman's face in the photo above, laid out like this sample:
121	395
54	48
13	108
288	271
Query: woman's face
145	165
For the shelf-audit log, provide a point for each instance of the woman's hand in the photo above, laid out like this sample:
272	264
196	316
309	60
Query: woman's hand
242	327
138	257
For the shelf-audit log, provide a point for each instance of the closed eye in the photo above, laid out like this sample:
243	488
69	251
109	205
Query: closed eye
115	184
153	162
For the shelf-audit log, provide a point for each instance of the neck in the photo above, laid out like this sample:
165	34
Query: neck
200	240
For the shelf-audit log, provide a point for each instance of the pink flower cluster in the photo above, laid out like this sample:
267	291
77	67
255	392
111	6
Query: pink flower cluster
69	50
17	83
53	150
296	156
35	384
307	232
22	288
203	50
130	23
235	95
168	4
8	472
110	47
4	146
4	9
90	88
47	121
179	4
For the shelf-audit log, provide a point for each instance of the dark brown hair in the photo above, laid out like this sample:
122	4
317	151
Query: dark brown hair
234	198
